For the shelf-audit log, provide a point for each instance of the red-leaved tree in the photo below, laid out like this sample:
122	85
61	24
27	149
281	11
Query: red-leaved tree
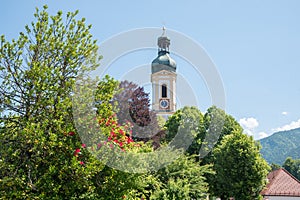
133	106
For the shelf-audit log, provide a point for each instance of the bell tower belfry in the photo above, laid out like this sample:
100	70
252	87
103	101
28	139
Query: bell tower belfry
163	79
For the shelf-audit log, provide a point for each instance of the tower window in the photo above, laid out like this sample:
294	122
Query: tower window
163	91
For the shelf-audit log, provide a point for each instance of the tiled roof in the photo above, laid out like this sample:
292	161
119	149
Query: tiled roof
282	183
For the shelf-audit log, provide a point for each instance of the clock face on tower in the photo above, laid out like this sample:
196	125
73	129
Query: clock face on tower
164	103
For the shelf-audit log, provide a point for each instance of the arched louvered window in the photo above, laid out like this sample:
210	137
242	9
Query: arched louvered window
163	91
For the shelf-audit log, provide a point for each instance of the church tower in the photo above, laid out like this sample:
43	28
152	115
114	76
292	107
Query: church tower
163	79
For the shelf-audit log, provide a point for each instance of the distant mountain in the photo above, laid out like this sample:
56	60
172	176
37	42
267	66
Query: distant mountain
277	147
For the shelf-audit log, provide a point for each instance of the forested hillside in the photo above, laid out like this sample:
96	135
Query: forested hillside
277	147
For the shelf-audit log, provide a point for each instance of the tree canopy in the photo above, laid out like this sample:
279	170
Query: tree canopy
240	170
292	166
187	120
41	153
235	156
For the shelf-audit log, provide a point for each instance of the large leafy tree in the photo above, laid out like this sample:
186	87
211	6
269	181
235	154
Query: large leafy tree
235	157
37	73
217	125
41	154
38	69
208	130
240	170
182	179
132	104
189	120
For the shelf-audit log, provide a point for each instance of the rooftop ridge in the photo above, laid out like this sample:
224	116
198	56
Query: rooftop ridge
282	183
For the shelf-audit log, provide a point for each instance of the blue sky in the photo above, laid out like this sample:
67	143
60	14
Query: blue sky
254	45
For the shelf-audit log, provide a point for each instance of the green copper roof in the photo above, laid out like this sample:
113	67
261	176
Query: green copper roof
163	62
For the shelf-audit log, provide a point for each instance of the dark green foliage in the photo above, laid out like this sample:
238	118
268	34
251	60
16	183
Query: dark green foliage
274	167
190	120
277	147
218	124
292	166
240	170
235	157
216	118
207	130
182	179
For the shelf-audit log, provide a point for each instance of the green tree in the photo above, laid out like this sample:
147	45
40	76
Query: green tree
240	169
106	89
292	166
41	154
190	120
217	124
182	179
37	73
207	130
274	166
